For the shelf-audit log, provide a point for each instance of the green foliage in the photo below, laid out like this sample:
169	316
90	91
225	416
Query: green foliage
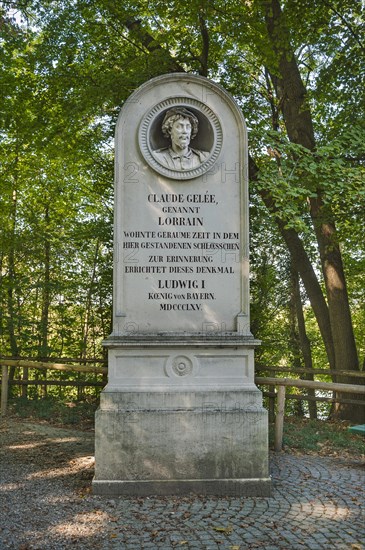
67	68
55	215
56	411
319	436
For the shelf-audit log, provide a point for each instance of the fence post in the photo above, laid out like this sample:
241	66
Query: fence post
25	379
279	419
271	405
4	389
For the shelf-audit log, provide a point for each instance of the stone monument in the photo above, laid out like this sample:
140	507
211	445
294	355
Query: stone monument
181	412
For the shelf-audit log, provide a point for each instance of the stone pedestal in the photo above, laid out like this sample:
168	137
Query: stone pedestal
181	419
181	412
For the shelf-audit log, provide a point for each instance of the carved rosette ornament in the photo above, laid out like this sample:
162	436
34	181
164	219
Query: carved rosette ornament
203	142
181	365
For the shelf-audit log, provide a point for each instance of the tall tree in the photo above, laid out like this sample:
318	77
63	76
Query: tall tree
295	67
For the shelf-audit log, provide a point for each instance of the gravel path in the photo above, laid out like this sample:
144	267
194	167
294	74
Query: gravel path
46	503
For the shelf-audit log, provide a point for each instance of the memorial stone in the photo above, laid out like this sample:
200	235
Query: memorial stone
181	412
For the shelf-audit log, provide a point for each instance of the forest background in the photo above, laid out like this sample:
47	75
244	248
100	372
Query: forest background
295	67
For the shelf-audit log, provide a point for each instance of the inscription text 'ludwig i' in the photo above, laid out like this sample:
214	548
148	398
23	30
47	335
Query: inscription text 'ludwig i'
181	412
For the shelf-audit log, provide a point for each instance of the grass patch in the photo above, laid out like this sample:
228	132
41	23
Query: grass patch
71	413
323	437
302	435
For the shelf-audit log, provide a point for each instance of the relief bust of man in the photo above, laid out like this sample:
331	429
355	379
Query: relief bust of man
180	126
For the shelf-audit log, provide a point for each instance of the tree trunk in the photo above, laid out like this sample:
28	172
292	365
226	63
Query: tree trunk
46	294
301	262
303	339
86	326
85	329
336	290
43	350
11	317
294	336
291	94
298	121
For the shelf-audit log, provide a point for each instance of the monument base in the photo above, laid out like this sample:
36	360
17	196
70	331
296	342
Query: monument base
175	420
214	487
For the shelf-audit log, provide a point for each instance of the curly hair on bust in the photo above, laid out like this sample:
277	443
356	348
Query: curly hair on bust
175	114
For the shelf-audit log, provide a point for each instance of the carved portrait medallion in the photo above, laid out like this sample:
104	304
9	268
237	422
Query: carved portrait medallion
180	138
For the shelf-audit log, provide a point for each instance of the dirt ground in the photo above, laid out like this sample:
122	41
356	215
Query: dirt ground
45	480
46	502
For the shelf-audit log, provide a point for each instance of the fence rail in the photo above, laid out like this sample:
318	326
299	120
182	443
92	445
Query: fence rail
46	365
312	384
279	383
63	360
282	383
325	372
51	366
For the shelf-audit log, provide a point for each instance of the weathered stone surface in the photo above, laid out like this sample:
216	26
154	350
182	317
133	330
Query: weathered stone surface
214	438
181	412
163	367
181	236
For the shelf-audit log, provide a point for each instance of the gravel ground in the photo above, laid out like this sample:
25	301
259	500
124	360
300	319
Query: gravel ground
46	503
45	476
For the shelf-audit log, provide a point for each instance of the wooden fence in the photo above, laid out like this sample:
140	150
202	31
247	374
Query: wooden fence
26	364
310	397
279	395
282	383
